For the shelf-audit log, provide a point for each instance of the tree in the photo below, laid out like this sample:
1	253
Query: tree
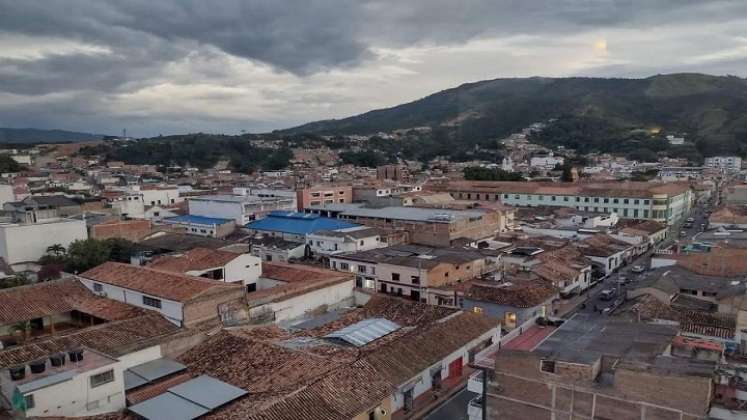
8	164
567	175
57	250
86	254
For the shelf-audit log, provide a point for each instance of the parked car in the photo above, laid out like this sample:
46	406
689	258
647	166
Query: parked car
690	220
608	294
638	269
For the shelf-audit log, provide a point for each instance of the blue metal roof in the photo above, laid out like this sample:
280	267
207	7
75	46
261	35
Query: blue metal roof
196	220
297	223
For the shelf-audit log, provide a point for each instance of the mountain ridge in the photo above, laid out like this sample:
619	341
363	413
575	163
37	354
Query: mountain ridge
37	135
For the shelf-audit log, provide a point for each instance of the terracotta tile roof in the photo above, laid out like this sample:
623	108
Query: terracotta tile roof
293	273
421	348
647	227
602	245
114	339
57	297
173	286
694	322
193	260
730	214
519	294
594	189
324	381
722	262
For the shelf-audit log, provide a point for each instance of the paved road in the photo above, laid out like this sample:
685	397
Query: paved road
454	408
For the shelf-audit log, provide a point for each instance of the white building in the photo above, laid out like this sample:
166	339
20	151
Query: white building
225	266
546	162
129	205
675	141
158	195
241	208
730	163
330	242
27	242
6	194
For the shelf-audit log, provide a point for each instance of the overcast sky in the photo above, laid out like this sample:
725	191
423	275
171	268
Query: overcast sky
176	66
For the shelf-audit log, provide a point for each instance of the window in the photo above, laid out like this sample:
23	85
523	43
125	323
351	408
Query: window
361	268
596	199
645	201
344	266
102	378
29	401
586	199
709	294
415	279
615	200
565	198
636	201
505	195
361	242
553	198
606	200
547	366
578	199
149	301
626	201
98	287
395	276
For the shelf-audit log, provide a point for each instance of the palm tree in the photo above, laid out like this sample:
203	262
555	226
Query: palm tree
56	249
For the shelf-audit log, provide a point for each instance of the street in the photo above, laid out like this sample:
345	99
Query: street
453	409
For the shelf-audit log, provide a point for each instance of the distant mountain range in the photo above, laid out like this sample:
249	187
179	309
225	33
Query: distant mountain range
33	135
710	110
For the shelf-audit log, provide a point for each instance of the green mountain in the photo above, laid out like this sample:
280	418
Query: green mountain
590	114
33	135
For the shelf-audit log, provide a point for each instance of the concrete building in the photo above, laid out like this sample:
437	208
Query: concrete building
212	227
241	208
270	248
426	226
322	195
594	367
727	163
664	202
6	194
182	299
27	242
128	205
411	271
546	162
158	195
354	239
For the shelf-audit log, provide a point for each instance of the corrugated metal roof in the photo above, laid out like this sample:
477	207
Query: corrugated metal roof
197	220
168	406
188	400
364	332
151	371
46	381
207	391
297	223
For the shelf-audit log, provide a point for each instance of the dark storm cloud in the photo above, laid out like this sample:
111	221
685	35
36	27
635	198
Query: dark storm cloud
137	40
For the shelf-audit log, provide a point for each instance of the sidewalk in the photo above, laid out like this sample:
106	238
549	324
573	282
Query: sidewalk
431	399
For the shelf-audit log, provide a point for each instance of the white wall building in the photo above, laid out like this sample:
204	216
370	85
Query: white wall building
129	205
330	242
27	242
6	194
546	162
158	196
731	163
242	209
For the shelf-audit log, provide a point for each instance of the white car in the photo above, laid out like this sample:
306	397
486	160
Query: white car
638	269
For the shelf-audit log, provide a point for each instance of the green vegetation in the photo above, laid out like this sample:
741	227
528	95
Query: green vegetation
476	173
85	254
7	164
367	158
198	150
592	114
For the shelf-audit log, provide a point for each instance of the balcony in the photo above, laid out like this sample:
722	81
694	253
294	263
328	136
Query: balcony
474	409
475	383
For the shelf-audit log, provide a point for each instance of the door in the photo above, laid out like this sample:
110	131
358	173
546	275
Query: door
408	399
455	368
415	295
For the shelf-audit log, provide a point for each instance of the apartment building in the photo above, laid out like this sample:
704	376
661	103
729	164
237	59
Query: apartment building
664	202
322	195
425	226
728	163
27	242
241	208
411	271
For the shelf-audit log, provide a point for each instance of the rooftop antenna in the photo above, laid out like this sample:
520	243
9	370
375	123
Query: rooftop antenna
124	133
